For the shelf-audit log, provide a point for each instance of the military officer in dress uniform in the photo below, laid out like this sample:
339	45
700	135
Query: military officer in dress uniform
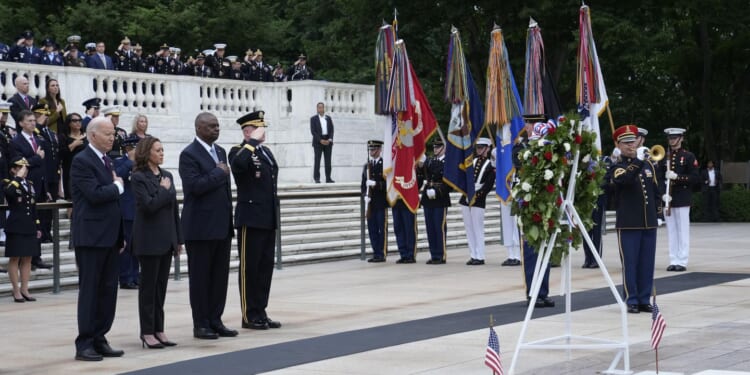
125	58
216	61
374	191
73	55
256	218
4	50
24	50
174	65
141	62
161	59
50	55
528	253
680	169
5	138
435	201
300	71
92	111
473	212
113	114
52	163
261	71
200	69
123	168
236	71
638	208
6	132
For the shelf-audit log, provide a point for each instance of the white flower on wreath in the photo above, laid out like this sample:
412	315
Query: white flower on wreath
548	174
542	142
527	197
526	155
526	187
586	158
567	146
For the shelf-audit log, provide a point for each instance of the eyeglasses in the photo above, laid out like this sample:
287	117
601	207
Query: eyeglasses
75	120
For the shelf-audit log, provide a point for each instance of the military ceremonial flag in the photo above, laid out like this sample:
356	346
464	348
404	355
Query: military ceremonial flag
412	122
591	94
503	109
657	327
467	120
492	354
540	96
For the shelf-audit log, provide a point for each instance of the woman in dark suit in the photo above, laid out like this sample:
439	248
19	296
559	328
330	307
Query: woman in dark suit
156	237
72	141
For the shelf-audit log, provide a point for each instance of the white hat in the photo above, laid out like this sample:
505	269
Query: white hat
484	141
642	132
4	107
208	52
113	111
220	45
674	131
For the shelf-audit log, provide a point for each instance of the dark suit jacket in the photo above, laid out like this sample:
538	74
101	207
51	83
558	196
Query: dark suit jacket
95	62
317	130
207	206
718	177
19	146
17	105
51	146
156	228
96	203
256	178
123	168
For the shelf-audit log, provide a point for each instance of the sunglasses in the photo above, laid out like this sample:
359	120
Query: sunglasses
75	120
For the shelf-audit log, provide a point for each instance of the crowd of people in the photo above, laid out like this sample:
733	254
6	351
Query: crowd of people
129	57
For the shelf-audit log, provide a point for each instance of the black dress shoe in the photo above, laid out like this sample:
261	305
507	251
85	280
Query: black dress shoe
256	324
511	262
272	323
633	309
516	262
476	262
645	307
376	260
106	351
317	181
435	261
680	268
329	181
406	261
671	267
42	265
546	302
205	334
128	286
223	331
88	355
470	261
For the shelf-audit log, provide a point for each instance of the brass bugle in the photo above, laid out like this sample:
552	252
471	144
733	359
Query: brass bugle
657	153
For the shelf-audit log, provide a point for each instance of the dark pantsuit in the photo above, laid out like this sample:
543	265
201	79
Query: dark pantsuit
97	294
326	152
405	228
377	229
152	291
529	262
256	248
637	253
596	231
435	222
128	261
711	197
208	263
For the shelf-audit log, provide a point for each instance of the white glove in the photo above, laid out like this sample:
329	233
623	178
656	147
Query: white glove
370	183
616	153
478	186
659	222
666	198
422	158
431	193
642	153
670	175
367	201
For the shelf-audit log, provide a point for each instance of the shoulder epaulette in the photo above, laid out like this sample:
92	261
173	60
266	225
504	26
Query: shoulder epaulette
249	147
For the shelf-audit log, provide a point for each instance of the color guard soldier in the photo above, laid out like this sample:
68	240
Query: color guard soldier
24	50
435	200
300	71
473	212
256	175
682	175
405	228
528	253
374	191
638	209
50	55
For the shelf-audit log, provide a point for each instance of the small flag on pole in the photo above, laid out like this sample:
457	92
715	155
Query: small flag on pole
657	327
492	354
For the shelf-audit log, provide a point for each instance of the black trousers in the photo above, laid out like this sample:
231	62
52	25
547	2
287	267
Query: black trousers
208	263
596	231
711	198
326	152
256	248
152	291
97	294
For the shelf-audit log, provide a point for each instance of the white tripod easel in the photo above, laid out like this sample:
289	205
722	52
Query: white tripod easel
566	341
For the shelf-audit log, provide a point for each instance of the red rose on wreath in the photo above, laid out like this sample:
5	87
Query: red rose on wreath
548	155
593	176
550	188
550	223
536	217
534	160
564	160
525	204
578	139
559	201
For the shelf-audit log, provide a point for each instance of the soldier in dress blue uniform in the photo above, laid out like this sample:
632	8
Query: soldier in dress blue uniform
300	71
22	228
24	50
113	113
473	212
199	68
638	204
51	55
92	110
236	70
123	168
256	175
5	138
435	200
374	190
52	162
4	50
216	61
528	253
125	58
260	71
682	175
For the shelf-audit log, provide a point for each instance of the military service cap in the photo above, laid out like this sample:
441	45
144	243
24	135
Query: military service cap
642	132
220	45
374	143
437	142
258	52
42	109
625	133
48	42
130	141
27	34
19	160
74	39
92	103
111	111
674	132
5	107
302	56
164	46
137	47
125	40
484	142
252	119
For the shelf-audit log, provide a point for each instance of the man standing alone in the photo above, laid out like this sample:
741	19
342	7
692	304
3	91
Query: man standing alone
321	127
207	227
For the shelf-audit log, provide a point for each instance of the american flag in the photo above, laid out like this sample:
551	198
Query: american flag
657	327
492	354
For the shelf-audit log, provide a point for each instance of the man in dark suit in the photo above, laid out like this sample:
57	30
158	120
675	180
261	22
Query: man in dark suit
207	226
21	99
321	128
97	238
256	216
711	190
99	60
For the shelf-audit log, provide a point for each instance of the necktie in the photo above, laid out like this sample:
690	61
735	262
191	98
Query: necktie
104	61
107	163
213	154
33	143
26	100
